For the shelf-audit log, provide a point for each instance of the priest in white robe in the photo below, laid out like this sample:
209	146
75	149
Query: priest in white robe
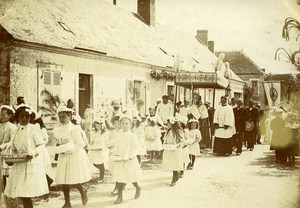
224	128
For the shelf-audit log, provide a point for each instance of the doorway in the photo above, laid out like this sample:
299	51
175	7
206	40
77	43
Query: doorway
84	92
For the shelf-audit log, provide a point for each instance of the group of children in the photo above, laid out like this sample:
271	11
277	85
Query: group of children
121	147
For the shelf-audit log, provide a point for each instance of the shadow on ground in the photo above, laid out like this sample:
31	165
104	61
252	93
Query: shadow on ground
268	161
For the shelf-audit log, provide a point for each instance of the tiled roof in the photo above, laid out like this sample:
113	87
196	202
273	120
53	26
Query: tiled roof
99	26
240	63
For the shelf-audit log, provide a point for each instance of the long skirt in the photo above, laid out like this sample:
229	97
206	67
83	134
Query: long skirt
127	171
222	145
27	179
73	168
172	160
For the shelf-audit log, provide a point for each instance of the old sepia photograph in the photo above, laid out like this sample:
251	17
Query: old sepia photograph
149	103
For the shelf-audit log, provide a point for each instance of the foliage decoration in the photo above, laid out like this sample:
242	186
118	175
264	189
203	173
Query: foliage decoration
162	74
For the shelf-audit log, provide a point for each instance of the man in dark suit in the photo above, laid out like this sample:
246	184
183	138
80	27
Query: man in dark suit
240	116
252	115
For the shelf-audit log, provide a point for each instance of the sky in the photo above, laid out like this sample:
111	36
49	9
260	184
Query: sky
254	26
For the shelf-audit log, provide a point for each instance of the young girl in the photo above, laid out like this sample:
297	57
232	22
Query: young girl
138	130
185	150
113	135
152	137
126	167
194	137
98	151
6	128
72	163
173	157
26	179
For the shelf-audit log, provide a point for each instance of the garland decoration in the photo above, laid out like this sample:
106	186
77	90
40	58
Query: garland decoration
162	74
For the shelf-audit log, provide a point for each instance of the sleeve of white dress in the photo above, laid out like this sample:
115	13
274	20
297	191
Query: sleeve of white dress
38	139
134	146
229	118
216	115
77	138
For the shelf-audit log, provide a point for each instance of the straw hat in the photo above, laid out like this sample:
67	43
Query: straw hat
249	125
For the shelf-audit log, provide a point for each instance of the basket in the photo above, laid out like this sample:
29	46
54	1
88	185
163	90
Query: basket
16	158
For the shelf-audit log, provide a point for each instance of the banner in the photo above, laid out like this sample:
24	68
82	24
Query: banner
273	93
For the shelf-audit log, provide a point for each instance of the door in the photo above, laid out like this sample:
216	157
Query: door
84	92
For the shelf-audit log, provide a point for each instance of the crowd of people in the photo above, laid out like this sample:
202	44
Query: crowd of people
121	140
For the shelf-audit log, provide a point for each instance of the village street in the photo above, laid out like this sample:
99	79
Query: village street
250	180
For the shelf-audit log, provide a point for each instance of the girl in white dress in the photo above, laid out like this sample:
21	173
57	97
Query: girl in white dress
6	128
185	150
73	163
113	135
152	137
139	131
26	179
194	137
173	156
126	167
98	151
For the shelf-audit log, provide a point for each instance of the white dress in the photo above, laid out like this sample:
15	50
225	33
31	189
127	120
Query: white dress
193	139
27	179
139	132
110	143
6	130
128	171
172	159
45	153
98	151
152	138
72	166
185	150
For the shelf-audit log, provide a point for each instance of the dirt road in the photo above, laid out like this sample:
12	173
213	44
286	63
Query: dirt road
250	180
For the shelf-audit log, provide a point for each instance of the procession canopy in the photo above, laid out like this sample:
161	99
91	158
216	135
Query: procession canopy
201	80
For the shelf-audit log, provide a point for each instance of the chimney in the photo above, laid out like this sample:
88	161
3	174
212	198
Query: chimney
146	9
202	37
211	46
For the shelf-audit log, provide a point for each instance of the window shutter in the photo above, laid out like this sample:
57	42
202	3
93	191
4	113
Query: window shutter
47	77
56	78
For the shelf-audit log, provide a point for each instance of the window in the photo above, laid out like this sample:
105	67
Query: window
170	89
254	86
136	90
51	78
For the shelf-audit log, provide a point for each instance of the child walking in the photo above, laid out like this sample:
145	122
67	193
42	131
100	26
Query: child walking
98	151
113	135
173	155
152	138
6	129
72	164
26	179
126	166
194	137
139	131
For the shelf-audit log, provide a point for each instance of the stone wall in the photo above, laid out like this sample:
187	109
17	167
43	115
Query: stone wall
4	74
